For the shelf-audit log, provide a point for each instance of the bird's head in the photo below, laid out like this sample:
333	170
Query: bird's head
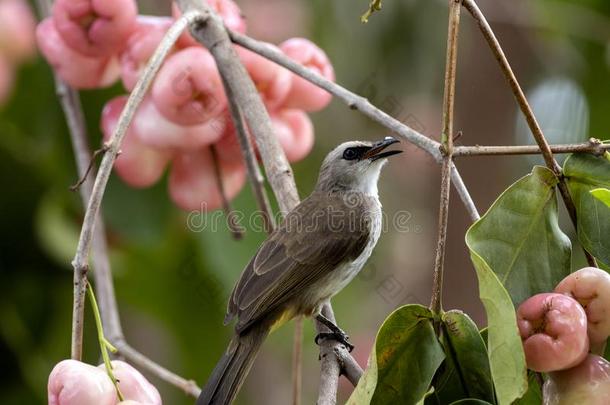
355	166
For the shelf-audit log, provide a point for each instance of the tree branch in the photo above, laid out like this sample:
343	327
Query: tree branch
447	148
593	146
81	259
257	182
234	229
143	362
550	161
361	104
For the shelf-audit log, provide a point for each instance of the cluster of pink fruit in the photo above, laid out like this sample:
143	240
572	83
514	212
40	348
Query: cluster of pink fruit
17	43
74	383
91	44
560	329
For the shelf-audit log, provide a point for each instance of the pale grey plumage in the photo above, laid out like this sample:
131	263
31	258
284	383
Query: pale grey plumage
319	247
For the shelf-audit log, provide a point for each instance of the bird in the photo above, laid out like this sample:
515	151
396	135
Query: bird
319	247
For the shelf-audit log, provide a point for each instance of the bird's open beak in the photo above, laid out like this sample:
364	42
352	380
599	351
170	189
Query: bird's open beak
377	150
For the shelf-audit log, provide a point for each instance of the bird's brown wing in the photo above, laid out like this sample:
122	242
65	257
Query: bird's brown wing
315	237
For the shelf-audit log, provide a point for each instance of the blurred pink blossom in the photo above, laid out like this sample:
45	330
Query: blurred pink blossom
139	164
79	71
188	89
304	94
95	27
294	130
17	27
140	46
133	385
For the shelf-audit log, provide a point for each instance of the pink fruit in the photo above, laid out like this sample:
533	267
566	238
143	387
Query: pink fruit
188	89
272	81
139	165
153	129
587	383
591	288
77	70
17	30
95	27
74	383
303	94
140	46
192	183
295	133
553	329
133	385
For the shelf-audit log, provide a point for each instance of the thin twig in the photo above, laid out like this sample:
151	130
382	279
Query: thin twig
90	167
447	143
361	104
143	362
550	161
234	227
71	106
594	146
81	258
255	176
297	361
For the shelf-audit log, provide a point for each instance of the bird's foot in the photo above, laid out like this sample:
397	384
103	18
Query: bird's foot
340	337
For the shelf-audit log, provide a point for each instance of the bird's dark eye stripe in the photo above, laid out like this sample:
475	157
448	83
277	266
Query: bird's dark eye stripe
355	152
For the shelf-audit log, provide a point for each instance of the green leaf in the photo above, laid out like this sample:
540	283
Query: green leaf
470	401
533	396
505	351
585	173
403	361
602	194
519	237
465	346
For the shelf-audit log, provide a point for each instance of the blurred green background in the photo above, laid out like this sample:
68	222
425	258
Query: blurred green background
172	282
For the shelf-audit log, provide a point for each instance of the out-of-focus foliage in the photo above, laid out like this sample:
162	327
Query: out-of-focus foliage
586	173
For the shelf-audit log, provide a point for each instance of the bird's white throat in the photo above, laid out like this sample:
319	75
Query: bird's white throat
368	180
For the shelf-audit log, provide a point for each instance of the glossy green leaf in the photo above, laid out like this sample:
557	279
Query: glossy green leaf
505	351
585	173
403	361
464	344
470	401
533	396
602	194
520	239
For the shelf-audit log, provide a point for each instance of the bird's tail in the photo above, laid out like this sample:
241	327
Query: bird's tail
232	368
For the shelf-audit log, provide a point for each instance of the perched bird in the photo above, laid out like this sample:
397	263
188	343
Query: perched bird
315	252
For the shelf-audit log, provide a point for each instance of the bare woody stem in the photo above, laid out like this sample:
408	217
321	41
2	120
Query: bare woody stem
255	176
361	104
80	262
447	148
143	362
550	161
593	146
236	231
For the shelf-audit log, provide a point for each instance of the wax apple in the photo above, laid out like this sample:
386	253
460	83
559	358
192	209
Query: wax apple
590	286
587	383
553	329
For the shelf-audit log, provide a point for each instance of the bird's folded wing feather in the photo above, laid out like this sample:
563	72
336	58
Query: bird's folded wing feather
315	237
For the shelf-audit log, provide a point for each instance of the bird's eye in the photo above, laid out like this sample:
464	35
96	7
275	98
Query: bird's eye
350	154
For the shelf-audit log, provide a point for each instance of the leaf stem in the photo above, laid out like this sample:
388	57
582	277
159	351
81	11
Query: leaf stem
105	345
447	150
